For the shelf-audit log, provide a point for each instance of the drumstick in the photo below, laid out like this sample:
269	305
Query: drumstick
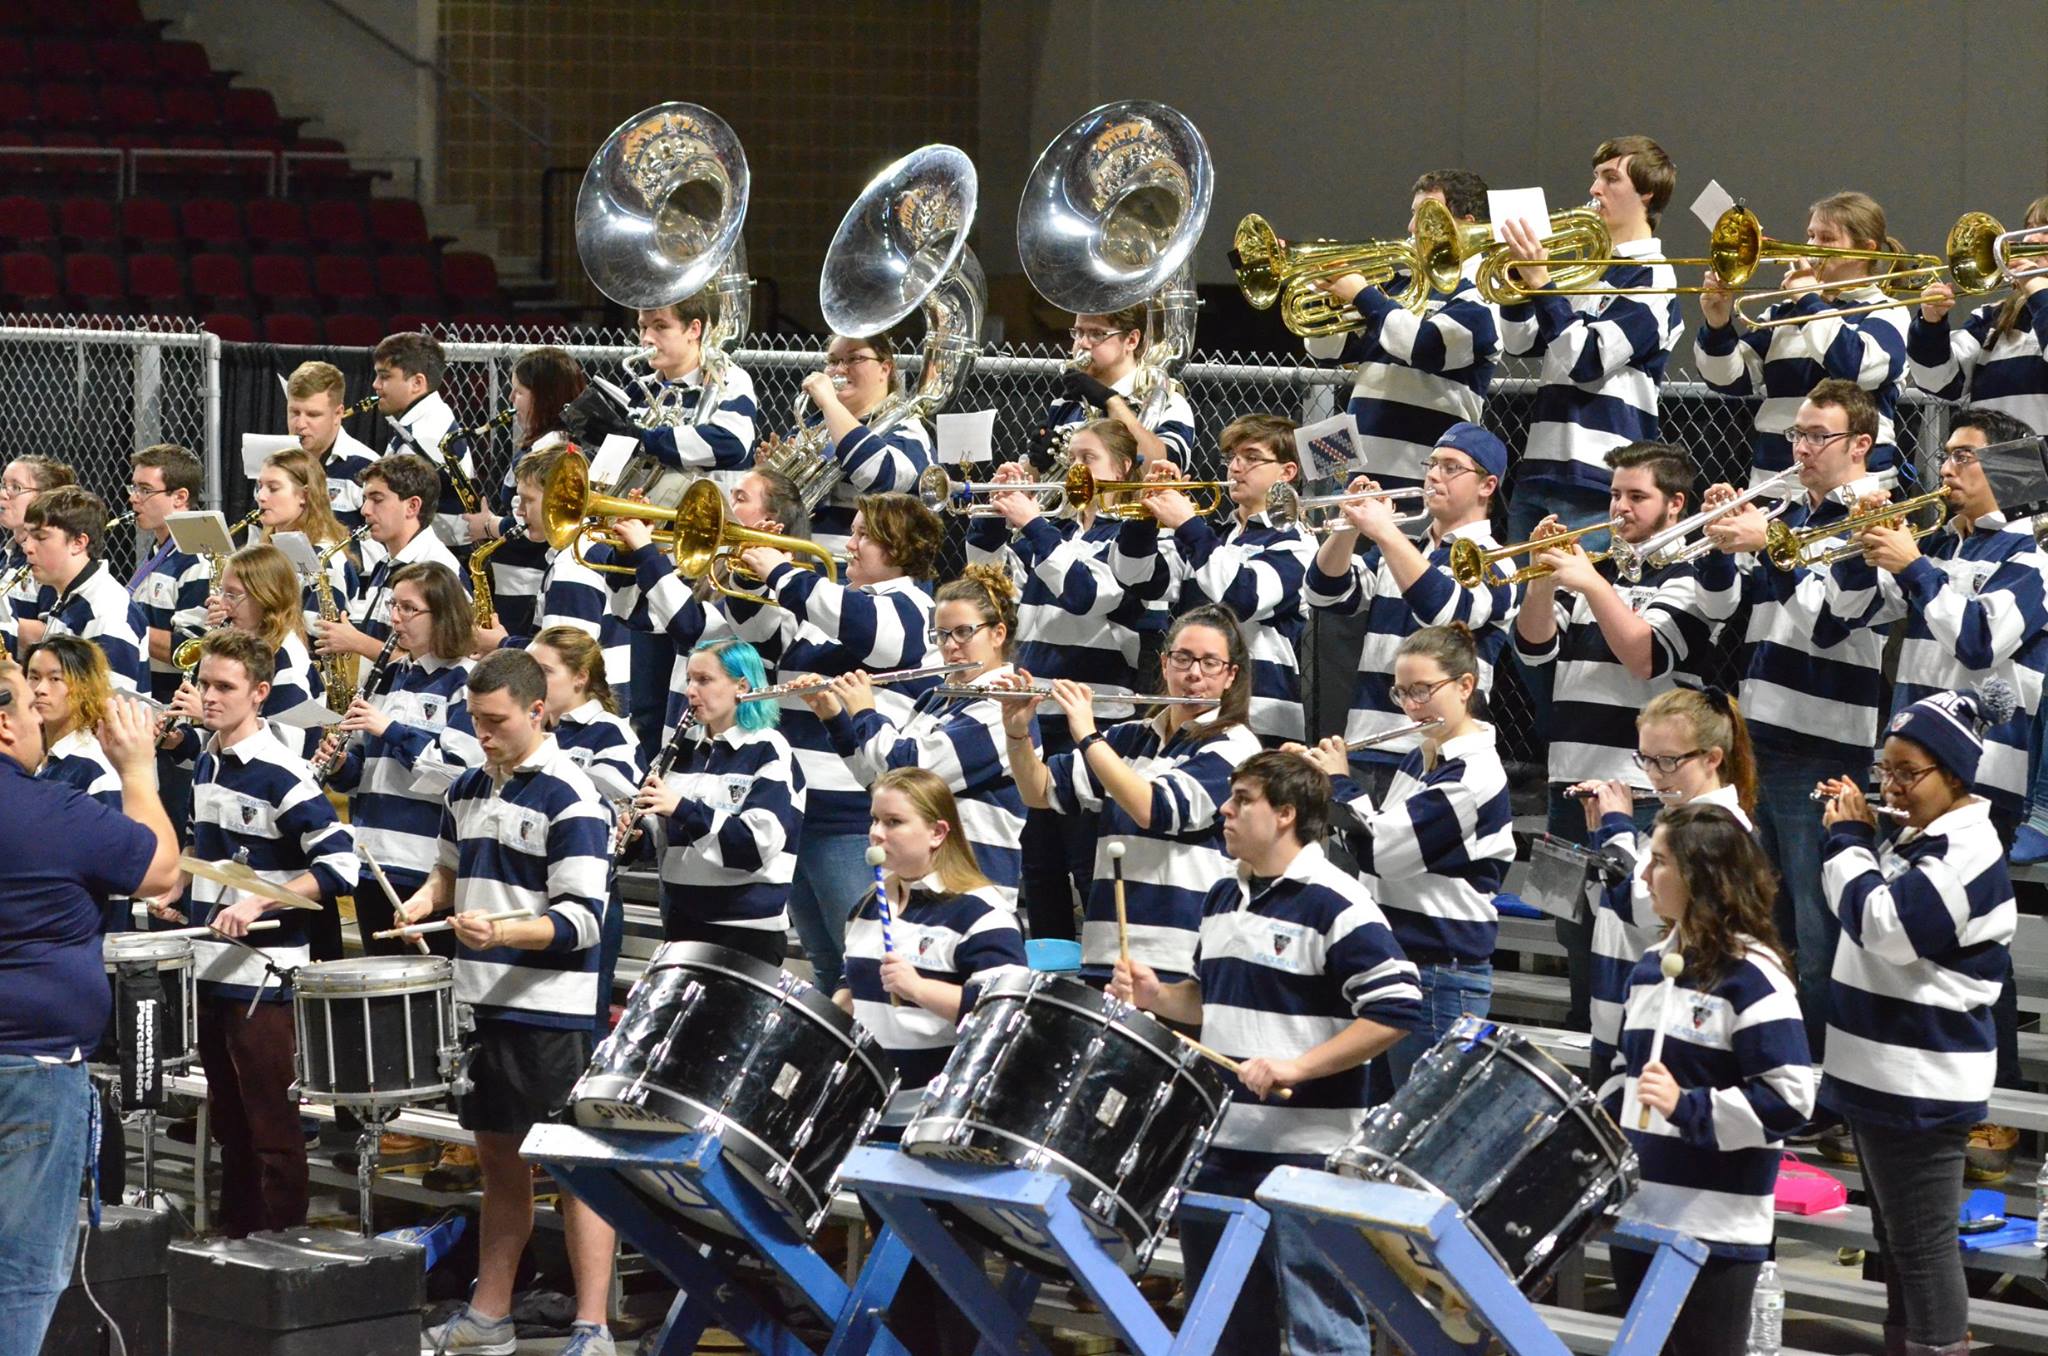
1284	1094
213	932
875	859
446	924
384	883
1673	965
1123	921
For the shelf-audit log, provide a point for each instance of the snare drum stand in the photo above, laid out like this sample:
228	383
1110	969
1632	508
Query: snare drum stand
594	1166
903	1190
1426	1275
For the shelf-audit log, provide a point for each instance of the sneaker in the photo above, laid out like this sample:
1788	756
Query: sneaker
1988	1156
2030	844
1837	1145
457	1170
589	1339
466	1334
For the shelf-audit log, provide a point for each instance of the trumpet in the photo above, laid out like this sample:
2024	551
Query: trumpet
1668	547
1473	565
1037	690
1082	488
1876	807
882	679
941	493
1789	550
1287	506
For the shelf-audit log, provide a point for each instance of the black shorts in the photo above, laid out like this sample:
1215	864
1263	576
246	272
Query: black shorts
521	1075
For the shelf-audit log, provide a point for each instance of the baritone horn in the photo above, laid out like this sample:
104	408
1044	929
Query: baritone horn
1579	247
706	544
1410	271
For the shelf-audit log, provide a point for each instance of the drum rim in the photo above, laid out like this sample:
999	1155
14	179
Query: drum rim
1153	1034
806	996
1063	1164
1605	1131
145	946
400	975
392	1097
715	1123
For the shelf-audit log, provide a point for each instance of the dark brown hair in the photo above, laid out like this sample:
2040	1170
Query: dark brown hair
454	633
992	592
1464	192
554	379
1236	706
1852	400
72	510
701	306
513	671
413	353
1274	432
1670	469
409	476
181	469
1649	170
1291	782
1731	890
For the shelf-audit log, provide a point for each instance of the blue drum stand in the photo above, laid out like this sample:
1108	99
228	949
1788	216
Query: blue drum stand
592	1165
903	1190
1429	1279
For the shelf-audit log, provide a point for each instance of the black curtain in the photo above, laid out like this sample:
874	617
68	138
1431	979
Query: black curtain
252	401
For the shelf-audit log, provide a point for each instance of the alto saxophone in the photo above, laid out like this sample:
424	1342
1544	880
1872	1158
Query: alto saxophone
220	562
337	672
466	489
480	583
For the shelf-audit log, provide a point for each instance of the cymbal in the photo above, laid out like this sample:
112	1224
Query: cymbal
247	881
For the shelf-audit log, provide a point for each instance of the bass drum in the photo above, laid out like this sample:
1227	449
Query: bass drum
715	1041
1051	1075
1494	1124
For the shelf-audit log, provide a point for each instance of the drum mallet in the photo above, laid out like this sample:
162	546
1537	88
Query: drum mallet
1116	850
875	859
213	932
1217	1056
1673	965
445	925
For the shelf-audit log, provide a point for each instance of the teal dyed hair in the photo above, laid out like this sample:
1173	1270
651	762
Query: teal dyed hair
743	662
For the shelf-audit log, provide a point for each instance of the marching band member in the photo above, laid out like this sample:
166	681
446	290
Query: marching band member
259	594
1813	682
409	369
559	589
1693	749
417	738
1418	376
169	584
288	499
1298	976
525	832
1996	361
1613	646
733	811
398	506
859	374
22	482
1781	365
1153	785
879	618
253	796
1926	922
1099	382
959	739
1602	357
949	928
1404	585
545	382
1253	566
1435	853
1734	1078
664	418
1084	579
584	718
67	531
69	688
314	397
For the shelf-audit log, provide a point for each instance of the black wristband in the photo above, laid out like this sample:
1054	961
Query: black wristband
1094	737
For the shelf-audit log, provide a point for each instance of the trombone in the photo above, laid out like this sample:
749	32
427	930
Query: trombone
943	494
1670	547
1286	506
1473	565
1789	550
1979	254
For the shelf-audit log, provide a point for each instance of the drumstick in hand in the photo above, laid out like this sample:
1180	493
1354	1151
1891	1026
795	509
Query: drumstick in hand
1217	1056
213	932
1673	965
1123	921
444	925
875	859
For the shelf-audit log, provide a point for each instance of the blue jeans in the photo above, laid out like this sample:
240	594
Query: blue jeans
1449	991
1291	1300
654	658
1788	827
44	1119
832	874
1567	820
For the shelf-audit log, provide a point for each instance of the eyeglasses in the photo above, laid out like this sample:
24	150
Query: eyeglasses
1905	778
233	599
144	491
1959	458
12	491
1447	469
1091	337
1666	763
959	635
1812	437
1240	459
1184	660
1418	693
408	610
851	360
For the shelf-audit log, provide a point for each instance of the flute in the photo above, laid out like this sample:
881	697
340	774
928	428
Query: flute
1025	694
1420	727
1875	807
882	679
1637	793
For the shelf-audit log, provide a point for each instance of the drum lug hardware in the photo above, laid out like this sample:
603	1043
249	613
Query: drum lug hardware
1517	1230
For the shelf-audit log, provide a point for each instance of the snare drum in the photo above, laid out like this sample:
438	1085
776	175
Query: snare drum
1051	1075
715	1041
375	1031
177	1028
1505	1131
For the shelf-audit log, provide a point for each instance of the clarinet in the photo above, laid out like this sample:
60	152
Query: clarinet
373	687
627	822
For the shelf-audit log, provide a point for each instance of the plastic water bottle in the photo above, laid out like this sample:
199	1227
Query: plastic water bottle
1767	1313
2041	1207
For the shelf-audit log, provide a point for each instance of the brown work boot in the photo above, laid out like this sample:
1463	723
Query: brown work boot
393	1151
457	1170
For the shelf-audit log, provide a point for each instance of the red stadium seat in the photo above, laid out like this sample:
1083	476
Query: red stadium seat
337	223
183	63
407	275
408	322
25	221
61	59
60	105
132	108
123	61
219	278
88	221
398	224
275	221
17	105
232	328
149	221
212	221
249	110
343	278
192	107
466	276
94	279
13	53
288	327
28	281
355	330
156	281
280	277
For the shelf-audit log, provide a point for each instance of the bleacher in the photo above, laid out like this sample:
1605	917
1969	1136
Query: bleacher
139	180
